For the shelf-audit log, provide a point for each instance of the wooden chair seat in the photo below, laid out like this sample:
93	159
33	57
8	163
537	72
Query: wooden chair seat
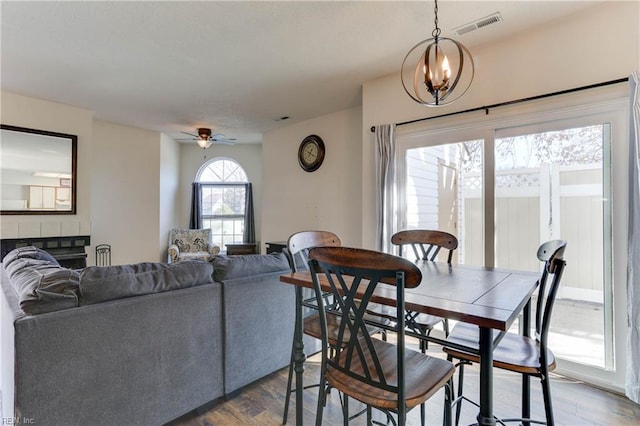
514	353
425	376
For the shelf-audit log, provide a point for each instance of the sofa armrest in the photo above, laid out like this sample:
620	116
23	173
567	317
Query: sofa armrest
174	252
259	314
9	313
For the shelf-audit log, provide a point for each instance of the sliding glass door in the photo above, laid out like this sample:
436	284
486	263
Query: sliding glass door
555	185
504	186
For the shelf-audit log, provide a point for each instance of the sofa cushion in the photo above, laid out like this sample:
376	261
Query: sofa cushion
42	286
102	283
238	266
29	252
196	255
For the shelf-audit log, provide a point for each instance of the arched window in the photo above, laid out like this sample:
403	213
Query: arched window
226	202
221	170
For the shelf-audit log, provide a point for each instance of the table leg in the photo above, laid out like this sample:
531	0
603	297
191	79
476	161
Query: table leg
485	417
299	357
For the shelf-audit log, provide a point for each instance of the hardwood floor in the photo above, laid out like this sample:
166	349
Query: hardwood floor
575	403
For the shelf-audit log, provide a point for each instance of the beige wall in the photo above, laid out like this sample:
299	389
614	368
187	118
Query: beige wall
329	198
169	190
596	45
126	192
23	111
249	156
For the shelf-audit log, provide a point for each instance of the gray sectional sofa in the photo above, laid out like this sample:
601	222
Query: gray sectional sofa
137	344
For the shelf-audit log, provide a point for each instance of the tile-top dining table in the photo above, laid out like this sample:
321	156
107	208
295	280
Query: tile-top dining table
490	298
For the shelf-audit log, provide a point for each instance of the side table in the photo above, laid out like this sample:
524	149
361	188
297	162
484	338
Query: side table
276	246
242	248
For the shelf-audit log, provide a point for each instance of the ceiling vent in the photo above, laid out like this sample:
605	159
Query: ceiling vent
480	23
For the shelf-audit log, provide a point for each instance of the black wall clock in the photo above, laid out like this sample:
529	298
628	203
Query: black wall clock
311	153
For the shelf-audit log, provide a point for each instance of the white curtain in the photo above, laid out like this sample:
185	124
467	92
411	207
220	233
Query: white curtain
633	267
386	186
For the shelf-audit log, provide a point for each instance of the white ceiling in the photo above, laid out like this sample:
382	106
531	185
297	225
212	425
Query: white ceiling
233	66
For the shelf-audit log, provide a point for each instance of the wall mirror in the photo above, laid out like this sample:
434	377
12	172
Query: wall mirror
38	171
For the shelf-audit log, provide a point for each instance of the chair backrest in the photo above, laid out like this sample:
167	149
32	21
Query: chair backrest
552	254
426	243
300	242
190	240
103	255
352	276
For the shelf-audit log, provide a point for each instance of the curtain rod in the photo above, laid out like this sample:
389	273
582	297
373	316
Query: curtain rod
517	101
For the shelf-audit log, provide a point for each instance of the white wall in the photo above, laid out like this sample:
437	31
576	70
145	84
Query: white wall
327	199
596	45
192	157
23	111
126	192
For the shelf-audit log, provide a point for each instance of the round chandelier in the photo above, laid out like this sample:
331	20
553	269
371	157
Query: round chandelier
443	69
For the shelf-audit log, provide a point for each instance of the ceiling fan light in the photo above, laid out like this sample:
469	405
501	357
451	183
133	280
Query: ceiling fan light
204	143
205	139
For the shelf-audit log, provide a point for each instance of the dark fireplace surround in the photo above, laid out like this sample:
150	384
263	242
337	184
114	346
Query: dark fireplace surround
68	251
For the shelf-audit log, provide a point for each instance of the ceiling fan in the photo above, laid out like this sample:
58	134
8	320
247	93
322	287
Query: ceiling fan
204	138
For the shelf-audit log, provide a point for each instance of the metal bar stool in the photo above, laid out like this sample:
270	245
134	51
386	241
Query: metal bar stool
103	255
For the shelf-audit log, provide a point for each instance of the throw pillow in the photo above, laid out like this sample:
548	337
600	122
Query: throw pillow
43	287
29	252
